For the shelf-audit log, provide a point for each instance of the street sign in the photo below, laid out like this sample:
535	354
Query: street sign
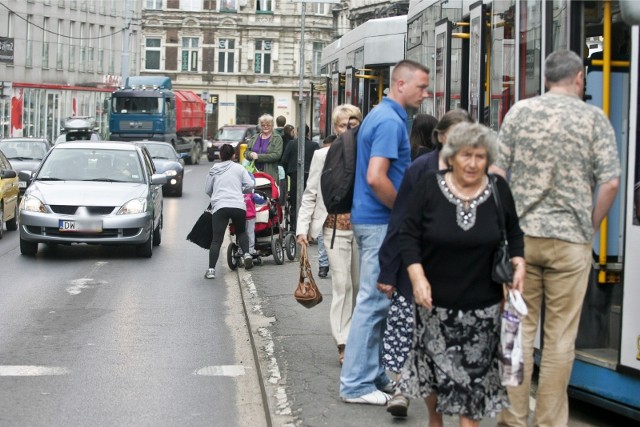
208	109
205	96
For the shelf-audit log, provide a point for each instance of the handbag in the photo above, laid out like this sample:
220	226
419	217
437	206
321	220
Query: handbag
510	356
307	292
202	232
502	271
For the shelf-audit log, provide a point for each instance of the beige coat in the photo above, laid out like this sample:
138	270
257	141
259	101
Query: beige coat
312	212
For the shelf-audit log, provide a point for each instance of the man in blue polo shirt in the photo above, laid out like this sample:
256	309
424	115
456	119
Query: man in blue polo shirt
383	155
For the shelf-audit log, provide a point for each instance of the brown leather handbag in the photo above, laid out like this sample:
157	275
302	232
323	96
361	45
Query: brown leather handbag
307	292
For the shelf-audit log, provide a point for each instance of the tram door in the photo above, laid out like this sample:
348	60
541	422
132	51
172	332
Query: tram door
477	62
630	328
442	75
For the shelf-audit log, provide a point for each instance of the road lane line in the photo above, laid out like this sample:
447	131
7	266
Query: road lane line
221	371
31	371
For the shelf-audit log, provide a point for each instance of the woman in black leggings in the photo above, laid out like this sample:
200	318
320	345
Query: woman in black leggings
226	183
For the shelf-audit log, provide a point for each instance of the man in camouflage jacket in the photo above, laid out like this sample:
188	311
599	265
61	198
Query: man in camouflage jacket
558	149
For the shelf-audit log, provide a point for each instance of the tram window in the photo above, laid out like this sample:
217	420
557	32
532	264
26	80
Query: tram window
503	60
530	49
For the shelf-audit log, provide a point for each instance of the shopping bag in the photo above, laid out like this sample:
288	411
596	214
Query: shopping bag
307	292
510	356
202	232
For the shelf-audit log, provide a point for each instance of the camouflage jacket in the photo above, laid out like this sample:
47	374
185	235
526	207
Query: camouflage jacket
558	148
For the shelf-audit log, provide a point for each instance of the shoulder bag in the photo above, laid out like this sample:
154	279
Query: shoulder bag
502	271
307	292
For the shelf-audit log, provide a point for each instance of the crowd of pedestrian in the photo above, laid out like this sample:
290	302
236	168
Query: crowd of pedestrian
411	263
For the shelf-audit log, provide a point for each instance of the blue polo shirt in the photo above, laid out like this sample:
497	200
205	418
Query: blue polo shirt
383	133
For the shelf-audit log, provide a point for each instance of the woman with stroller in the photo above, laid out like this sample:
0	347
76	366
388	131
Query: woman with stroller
226	184
343	257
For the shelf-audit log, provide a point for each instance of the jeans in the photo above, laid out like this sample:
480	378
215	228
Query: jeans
220	220
323	259
363	371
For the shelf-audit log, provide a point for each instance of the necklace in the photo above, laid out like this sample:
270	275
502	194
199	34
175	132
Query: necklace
466	207
459	194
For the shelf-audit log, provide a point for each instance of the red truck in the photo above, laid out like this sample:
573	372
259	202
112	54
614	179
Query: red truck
148	109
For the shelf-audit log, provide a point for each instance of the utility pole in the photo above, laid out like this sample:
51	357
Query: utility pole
124	64
303	109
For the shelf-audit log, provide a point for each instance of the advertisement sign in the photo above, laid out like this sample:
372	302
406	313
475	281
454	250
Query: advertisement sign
6	50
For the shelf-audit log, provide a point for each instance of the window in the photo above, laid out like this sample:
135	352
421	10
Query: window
45	43
226	51
72	46
59	53
262	62
317	56
319	8
10	24
153	4
83	48
90	49
152	54
100	49
189	54
192	5
29	57
264	6
112	53
228	6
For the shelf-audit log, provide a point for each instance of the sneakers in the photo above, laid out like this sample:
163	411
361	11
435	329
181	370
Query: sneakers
210	274
398	405
323	272
390	387
376	397
248	261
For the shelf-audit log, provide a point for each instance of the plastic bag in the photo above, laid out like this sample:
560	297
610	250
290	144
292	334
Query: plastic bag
510	356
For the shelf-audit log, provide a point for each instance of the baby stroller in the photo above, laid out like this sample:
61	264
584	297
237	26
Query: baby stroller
268	230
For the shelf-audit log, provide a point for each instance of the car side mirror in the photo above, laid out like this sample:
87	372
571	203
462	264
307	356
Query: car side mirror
158	179
8	173
25	176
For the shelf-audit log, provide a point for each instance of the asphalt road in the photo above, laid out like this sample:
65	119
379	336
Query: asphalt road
95	336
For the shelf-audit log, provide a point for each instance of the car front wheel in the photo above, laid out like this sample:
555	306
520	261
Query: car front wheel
145	250
27	247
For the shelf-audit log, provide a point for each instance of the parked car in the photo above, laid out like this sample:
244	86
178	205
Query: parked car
25	154
9	189
167	161
229	134
87	192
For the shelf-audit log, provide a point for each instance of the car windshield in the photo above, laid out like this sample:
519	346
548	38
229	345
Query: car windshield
137	105
226	134
161	151
88	164
24	149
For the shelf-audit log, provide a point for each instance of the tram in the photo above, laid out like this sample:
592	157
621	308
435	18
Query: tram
486	55
359	63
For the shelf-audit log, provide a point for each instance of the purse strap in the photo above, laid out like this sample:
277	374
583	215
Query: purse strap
496	198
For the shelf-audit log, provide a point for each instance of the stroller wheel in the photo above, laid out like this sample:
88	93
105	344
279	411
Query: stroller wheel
232	260
290	246
277	250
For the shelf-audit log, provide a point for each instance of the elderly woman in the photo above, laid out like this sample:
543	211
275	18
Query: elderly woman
447	240
343	257
393	278
265	147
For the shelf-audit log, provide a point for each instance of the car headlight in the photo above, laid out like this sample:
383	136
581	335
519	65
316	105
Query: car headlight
32	204
171	172
134	206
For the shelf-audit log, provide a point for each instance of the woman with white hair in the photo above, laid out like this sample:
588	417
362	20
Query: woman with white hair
265	147
447	241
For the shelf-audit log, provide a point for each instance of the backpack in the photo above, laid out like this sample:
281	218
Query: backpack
338	175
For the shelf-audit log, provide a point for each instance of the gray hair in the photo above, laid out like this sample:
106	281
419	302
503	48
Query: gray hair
265	118
470	135
561	65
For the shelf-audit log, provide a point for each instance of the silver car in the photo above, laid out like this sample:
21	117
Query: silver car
103	193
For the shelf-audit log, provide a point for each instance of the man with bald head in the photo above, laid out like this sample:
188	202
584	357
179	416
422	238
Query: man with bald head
383	155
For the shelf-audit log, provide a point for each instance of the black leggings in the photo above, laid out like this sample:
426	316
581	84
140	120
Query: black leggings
220	220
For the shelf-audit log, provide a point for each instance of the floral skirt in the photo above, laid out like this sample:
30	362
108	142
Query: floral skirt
398	334
455	356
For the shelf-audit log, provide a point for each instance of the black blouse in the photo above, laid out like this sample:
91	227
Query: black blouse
454	244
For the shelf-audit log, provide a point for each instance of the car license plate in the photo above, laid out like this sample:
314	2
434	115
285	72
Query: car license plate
22	184
80	226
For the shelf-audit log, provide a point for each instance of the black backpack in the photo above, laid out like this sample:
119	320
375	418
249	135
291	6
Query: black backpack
339	173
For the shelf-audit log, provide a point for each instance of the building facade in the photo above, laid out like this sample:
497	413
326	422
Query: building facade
242	56
62	58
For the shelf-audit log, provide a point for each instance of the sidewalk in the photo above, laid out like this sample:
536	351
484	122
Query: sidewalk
298	357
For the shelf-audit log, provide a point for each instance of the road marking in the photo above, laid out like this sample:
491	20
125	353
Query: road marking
221	371
78	285
532	403
31	371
